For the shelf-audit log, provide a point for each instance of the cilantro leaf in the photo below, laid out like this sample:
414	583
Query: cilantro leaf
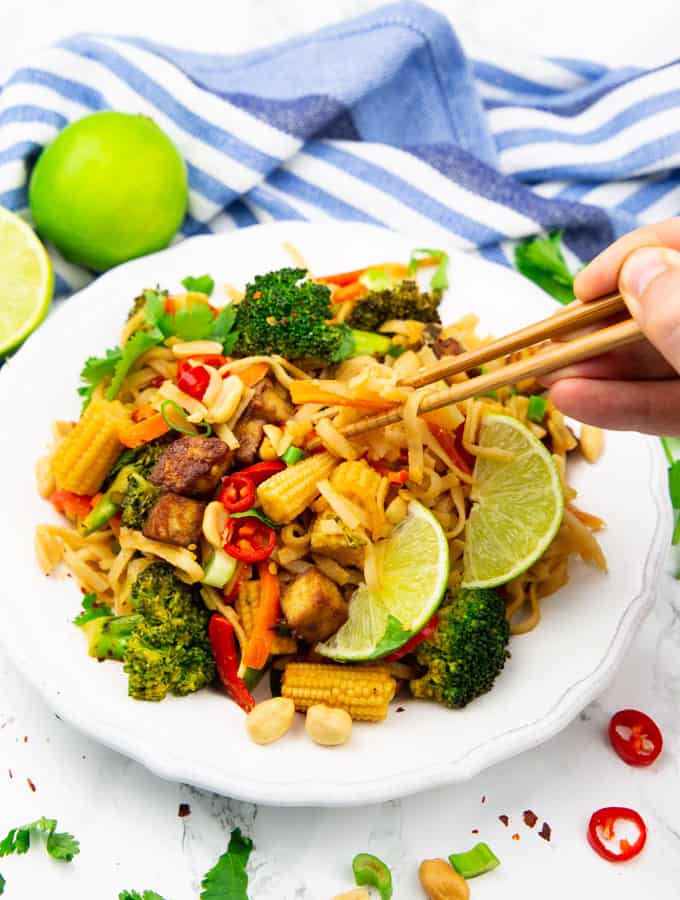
95	370
92	609
204	284
135	895
59	845
222	325
228	879
2	885
540	259
154	307
193	323
440	280
139	343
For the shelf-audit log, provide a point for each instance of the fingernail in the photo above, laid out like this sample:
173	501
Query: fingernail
640	269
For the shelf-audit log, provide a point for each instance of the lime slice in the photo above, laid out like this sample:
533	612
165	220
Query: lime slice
518	509
414	570
26	284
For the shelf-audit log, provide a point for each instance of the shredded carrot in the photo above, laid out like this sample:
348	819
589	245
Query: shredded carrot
252	374
428	261
143	412
267	615
448	445
396	270
349	292
144	431
309	392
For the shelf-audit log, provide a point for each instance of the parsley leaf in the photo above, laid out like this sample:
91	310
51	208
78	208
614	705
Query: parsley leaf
204	284
92	609
139	343
440	280
540	259
59	845
95	370
135	895
228	879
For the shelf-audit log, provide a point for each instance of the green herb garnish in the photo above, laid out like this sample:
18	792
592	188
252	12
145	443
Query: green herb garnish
228	879
203	284
135	895
541	260
137	344
59	845
536	408
96	370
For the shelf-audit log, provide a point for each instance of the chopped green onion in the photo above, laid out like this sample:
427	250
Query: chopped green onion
491	395
369	870
255	513
478	861
376	280
440	280
293	455
537	406
185	426
396	350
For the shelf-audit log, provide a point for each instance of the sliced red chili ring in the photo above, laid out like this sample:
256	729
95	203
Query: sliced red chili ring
635	737
424	634
238	492
263	470
193	380
601	828
249	539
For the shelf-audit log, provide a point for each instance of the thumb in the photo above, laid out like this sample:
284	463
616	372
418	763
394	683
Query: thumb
649	282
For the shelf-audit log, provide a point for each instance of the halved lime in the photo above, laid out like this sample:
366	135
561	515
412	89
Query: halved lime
413	573
26	282
518	505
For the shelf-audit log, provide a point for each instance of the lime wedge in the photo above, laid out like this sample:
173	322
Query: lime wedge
26	284
414	570
518	509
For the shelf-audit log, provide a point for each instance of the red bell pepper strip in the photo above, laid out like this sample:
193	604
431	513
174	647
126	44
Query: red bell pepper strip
73	506
635	737
267	615
249	539
449	444
601	828
238	493
193	380
263	470
425	633
231	590
223	646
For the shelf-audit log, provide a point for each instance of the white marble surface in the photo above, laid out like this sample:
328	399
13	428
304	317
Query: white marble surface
127	819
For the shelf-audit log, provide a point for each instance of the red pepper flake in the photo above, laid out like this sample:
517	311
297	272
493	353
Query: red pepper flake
484	798
530	818
11	774
505	820
25	739
31	785
515	837
475	830
184	810
400	709
545	832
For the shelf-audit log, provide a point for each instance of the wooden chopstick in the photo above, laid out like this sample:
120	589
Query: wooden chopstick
575	315
549	360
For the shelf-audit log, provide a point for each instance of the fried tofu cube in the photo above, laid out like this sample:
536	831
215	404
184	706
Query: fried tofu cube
313	606
249	433
330	538
175	520
268	404
192	466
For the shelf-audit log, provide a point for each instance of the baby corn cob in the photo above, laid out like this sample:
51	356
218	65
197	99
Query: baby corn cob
83	459
364	693
246	604
288	493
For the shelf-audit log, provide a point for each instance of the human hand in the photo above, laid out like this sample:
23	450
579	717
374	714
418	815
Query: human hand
636	388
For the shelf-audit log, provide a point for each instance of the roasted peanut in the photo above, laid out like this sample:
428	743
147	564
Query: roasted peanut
270	720
591	441
440	881
356	894
328	726
214	522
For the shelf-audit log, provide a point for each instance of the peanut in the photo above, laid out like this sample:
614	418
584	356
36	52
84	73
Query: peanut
270	720
328	726
356	894
214	522
591	440
440	881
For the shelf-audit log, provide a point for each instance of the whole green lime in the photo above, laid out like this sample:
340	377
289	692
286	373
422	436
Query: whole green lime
110	187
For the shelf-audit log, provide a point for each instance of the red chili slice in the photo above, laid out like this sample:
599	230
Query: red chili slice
249	539
601	828
263	470
193	380
424	634
635	737
238	493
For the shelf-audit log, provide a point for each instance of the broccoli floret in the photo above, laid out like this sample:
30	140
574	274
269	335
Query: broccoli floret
139	497
468	649
404	301
285	315
164	644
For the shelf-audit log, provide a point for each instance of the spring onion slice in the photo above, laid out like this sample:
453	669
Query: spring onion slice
478	861
293	455
536	409
184	426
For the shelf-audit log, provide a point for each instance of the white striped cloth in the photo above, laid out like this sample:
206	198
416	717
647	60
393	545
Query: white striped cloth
380	119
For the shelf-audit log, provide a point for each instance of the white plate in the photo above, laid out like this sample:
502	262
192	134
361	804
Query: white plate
554	671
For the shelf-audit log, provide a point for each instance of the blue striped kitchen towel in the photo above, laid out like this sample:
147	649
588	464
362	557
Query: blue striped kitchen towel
380	119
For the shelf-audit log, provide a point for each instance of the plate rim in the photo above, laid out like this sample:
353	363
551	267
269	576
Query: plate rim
296	792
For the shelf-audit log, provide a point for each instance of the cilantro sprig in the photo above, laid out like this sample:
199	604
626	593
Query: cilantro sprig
135	895
92	609
203	284
59	844
228	879
2	885
541	260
